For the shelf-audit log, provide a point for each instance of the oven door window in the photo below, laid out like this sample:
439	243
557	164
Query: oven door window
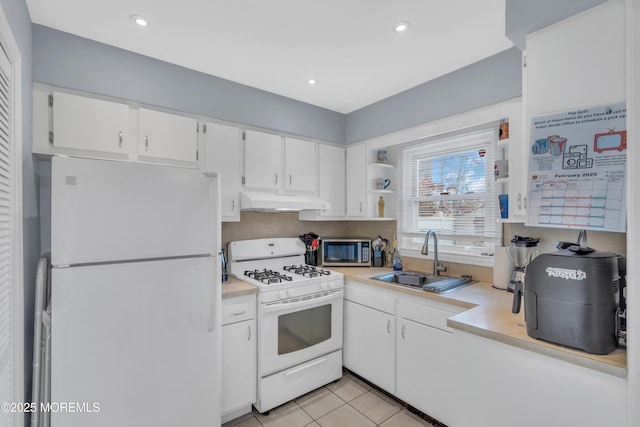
303	329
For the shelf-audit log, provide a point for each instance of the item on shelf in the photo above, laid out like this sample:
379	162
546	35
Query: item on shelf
382	183
381	207
382	156
504	205
501	169
503	132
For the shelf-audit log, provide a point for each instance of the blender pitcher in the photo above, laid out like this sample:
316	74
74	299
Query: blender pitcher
521	251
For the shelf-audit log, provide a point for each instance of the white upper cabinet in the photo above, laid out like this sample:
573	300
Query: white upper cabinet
331	183
90	124
167	136
356	181
331	179
263	160
223	153
300	165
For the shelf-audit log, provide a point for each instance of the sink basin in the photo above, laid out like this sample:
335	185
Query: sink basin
436	284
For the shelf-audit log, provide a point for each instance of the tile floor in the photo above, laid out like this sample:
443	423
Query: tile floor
349	402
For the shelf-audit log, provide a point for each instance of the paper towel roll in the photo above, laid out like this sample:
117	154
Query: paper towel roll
502	268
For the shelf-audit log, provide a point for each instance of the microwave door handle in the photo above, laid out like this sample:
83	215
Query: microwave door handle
278	306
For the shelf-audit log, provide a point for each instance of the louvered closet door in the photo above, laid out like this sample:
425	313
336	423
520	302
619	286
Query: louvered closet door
7	314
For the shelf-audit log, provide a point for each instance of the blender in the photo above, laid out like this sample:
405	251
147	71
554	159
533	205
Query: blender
521	251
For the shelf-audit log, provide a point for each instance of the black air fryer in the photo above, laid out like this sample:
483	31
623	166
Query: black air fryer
572	296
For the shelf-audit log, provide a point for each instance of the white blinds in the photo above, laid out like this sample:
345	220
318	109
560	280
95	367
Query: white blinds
7	201
448	186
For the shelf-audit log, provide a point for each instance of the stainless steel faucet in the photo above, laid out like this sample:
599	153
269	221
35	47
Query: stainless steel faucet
437	266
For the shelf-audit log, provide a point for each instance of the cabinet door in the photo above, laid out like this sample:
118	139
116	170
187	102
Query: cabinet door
369	344
167	136
223	153
238	365
300	165
425	369
263	160
356	181
331	179
90	124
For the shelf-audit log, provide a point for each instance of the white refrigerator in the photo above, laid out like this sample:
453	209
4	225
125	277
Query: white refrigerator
135	295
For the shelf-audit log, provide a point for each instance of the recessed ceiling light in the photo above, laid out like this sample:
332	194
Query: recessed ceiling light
140	20
401	27
312	82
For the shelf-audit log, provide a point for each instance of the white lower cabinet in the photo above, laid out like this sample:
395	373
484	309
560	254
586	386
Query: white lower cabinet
425	369
239	357
403	345
369	344
499	385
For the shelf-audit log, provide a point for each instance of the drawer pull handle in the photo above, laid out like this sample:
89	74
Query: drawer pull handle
240	313
249	330
304	367
389	326
402	331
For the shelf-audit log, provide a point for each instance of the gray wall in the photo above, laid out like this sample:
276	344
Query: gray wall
20	22
64	60
492	80
526	16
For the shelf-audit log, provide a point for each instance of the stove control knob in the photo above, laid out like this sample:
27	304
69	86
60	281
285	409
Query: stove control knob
291	293
332	285
282	294
324	286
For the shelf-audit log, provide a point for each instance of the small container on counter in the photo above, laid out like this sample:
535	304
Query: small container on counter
223	266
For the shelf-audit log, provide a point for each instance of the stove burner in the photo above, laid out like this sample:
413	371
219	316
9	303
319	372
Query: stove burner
267	276
306	270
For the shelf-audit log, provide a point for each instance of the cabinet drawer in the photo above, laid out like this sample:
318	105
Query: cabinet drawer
377	300
237	312
426	315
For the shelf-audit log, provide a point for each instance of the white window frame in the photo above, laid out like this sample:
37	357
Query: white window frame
411	236
12	51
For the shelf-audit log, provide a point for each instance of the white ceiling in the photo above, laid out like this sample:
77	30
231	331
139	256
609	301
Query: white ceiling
348	46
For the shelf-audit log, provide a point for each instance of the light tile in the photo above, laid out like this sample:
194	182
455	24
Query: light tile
287	415
348	388
345	416
313	424
405	419
319	402
376	406
248	422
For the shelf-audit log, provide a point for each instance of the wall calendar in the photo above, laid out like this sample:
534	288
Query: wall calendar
577	169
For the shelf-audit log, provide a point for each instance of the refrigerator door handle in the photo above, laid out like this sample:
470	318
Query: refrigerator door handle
214	203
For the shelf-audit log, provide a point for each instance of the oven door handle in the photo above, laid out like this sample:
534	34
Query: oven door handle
304	367
282	306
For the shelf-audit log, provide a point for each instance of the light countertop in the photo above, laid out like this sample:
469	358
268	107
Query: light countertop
234	288
489	315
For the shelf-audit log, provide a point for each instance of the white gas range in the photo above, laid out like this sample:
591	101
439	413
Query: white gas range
299	318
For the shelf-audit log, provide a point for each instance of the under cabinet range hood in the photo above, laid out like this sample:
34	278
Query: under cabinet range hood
275	202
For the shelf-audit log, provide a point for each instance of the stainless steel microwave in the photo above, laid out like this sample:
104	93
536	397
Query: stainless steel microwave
349	252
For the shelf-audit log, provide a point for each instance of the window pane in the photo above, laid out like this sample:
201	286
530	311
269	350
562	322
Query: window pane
457	173
448	186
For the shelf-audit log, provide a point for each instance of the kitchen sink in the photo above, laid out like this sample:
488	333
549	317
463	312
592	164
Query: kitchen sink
426	282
